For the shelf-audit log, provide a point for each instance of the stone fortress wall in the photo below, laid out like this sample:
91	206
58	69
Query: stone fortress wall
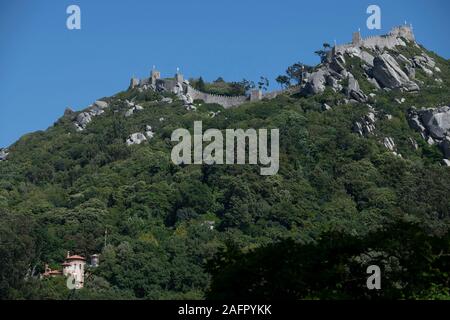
174	84
392	39
225	101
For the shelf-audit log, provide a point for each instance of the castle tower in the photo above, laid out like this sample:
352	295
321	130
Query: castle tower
356	38
404	31
256	95
154	75
179	76
134	82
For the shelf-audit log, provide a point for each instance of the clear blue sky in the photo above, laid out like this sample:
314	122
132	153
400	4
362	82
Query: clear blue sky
44	67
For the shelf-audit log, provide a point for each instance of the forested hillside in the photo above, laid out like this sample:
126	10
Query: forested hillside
198	231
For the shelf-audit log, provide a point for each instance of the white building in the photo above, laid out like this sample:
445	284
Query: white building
74	266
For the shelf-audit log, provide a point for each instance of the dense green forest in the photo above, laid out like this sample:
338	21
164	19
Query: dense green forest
339	202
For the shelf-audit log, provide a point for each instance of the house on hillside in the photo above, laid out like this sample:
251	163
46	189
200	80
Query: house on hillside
73	266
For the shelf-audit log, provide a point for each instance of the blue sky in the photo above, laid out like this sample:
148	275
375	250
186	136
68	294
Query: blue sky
44	67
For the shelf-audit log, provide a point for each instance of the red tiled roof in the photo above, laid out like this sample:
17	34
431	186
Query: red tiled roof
76	257
54	272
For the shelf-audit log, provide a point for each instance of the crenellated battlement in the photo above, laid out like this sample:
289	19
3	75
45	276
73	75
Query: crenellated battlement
225	101
390	40
178	85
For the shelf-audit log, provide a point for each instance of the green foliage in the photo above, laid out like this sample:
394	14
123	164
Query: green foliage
413	265
61	190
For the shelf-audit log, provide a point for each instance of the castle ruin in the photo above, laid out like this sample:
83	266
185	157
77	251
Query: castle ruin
180	86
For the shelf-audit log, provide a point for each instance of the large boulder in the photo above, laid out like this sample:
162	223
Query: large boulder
132	110
316	82
389	143
136	138
354	90
389	74
149	132
167	100
101	104
366	126
436	121
367	58
445	147
434	126
3	154
338	62
86	116
82	120
424	61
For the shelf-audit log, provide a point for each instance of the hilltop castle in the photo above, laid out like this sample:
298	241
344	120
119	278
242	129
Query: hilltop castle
181	87
393	38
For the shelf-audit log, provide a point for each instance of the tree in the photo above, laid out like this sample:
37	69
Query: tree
200	84
412	263
263	83
323	53
219	80
284	81
247	84
297	71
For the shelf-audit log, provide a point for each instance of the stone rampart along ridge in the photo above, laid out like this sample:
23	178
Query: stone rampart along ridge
316	83
225	101
393	38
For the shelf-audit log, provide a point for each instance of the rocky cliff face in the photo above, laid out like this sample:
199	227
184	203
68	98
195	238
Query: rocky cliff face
434	126
383	67
387	72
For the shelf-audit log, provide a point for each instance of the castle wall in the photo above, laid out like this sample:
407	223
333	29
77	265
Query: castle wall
225	101
389	41
276	93
381	42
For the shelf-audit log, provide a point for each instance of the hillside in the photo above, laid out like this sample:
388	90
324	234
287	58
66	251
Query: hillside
364	149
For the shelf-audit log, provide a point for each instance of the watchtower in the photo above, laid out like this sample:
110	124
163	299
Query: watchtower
154	75
356	38
179	76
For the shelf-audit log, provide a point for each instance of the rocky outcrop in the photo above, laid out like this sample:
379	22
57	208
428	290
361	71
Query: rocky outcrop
366	126
338	62
389	74
3	154
445	147
187	99
437	121
354	90
101	104
136	138
381	69
316	82
426	63
139	137
85	117
133	108
82	120
149	132
68	112
433	125
389	143
167	100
